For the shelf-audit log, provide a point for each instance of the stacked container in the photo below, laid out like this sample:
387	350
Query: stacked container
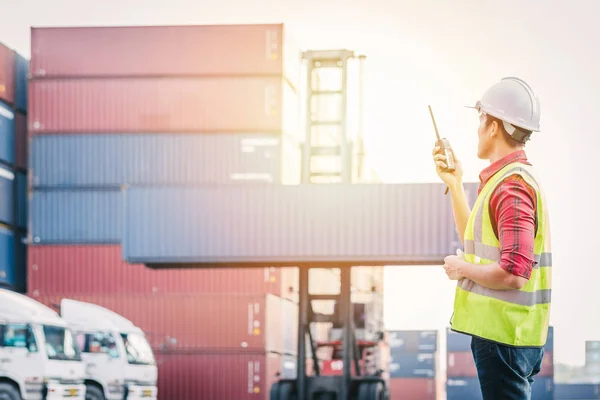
414	364
592	359
13	169
462	381
187	105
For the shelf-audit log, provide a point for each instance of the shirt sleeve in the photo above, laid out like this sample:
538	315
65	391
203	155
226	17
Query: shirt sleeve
513	207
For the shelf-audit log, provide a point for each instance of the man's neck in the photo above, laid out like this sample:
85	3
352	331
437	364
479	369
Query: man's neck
502	152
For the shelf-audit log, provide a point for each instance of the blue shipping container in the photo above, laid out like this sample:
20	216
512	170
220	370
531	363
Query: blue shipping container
22	201
163	159
579	391
76	216
362	224
413	341
21	83
9	276
7	134
469	389
413	365
458	342
7	197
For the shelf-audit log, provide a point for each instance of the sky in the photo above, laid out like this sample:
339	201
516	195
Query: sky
445	54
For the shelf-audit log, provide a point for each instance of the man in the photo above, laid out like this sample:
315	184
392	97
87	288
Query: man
504	275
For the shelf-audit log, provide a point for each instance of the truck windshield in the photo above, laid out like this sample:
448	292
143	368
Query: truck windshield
60	344
138	349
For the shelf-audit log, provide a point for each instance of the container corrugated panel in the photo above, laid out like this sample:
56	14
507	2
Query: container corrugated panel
22	202
413	341
21	140
21	81
144	105
98	269
459	342
462	364
7	74
165	51
469	389
7	196
161	159
8	274
7	133
412	389
240	323
216	376
576	391
413	365
76	216
21	263
358	224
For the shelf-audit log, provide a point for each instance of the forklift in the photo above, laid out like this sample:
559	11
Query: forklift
328	143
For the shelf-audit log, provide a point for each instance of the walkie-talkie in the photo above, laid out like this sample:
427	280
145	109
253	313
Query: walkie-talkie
445	149
444	146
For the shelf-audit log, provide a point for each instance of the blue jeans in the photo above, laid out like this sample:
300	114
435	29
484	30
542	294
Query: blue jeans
505	373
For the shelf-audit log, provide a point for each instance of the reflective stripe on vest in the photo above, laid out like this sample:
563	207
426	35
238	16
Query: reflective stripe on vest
513	317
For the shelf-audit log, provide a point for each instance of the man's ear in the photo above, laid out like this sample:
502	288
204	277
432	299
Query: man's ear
494	129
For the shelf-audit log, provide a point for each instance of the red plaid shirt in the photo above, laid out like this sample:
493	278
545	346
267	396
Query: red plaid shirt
513	215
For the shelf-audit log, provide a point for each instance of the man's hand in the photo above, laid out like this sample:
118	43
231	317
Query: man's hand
453	266
451	179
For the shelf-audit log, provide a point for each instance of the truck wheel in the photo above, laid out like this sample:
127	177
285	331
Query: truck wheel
93	392
9	392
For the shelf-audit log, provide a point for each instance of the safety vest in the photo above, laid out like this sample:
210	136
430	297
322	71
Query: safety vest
512	317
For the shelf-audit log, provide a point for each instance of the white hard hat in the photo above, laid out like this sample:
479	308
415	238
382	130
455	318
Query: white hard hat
513	101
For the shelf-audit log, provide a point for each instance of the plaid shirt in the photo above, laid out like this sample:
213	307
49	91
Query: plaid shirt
513	214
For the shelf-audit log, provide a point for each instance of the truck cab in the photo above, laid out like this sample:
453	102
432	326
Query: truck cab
119	361
39	359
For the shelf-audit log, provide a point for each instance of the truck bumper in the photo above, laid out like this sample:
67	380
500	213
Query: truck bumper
56	391
135	392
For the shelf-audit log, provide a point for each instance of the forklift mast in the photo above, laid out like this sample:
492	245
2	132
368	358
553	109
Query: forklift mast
331	154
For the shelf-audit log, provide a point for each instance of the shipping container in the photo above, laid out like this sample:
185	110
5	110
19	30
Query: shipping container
178	105
163	159
98	269
165	51
21	263
458	342
412	389
21	82
7	74
413	341
7	134
591	345
7	196
409	223
76	216
21	140
469	389
413	365
592	356
9	275
462	365
240	323
576	391
22	201
196	376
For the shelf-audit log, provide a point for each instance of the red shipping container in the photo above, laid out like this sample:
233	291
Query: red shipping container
164	51
216	376
195	105
412	389
81	269
462	365
243	323
21	140
7	74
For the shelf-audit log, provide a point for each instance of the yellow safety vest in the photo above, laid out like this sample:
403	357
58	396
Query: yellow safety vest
512	317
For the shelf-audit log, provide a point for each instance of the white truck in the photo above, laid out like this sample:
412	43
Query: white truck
39	359
120	364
